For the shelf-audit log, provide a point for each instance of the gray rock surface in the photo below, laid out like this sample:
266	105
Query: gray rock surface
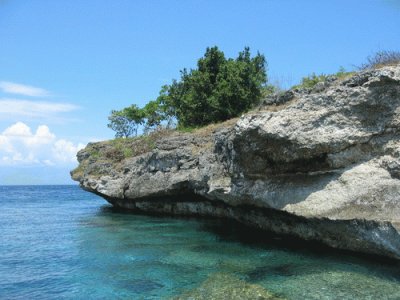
322	165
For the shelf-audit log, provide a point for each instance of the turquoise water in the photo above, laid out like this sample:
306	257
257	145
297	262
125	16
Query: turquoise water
58	242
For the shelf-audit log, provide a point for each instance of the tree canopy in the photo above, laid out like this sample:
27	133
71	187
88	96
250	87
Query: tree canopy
125	122
217	90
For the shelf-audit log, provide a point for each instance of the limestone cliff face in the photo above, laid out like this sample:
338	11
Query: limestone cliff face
321	165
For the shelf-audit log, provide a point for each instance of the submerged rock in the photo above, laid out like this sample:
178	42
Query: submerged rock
323	165
221	286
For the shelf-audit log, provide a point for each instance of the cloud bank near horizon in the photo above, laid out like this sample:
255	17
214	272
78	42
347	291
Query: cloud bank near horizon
30	151
21	146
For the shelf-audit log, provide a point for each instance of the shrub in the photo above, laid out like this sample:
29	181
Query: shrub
125	122
121	148
217	90
310	81
381	58
343	74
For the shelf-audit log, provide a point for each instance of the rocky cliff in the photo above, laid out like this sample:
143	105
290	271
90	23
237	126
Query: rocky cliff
321	164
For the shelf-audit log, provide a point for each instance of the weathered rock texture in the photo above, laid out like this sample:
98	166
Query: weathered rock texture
321	165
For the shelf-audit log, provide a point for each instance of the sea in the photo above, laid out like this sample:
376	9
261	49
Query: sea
60	242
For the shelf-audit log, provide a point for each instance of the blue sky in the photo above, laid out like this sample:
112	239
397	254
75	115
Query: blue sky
64	65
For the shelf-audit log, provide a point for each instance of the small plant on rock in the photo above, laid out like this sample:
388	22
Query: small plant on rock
380	59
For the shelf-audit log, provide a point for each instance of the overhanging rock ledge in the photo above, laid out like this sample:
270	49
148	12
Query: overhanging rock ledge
321	165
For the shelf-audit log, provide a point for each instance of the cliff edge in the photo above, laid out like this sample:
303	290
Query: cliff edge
320	164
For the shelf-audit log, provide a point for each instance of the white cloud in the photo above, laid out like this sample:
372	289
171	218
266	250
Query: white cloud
18	130
5	144
33	109
20	146
22	133
65	151
43	134
22	89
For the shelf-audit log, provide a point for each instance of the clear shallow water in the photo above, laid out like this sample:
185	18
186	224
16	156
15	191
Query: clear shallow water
58	242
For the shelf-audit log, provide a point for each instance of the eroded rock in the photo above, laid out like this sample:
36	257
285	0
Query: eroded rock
322	165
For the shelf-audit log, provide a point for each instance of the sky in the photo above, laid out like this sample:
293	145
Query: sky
64	65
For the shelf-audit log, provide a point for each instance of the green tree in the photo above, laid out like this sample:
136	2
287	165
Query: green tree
159	112
125	122
218	89
154	115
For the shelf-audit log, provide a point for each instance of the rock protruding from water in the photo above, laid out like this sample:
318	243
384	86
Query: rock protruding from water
322	165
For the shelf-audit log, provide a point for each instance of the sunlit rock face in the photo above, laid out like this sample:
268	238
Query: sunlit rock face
321	164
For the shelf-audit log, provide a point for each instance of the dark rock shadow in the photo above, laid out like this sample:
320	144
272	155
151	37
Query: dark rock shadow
335	259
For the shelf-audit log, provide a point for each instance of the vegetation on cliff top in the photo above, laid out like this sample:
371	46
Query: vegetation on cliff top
380	59
127	121
218	89
310	81
377	60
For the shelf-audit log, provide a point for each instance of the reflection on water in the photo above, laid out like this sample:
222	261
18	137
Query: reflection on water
60	242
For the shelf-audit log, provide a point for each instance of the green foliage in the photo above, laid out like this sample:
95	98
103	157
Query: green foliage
125	122
310	81
94	153
217	90
186	129
343	74
269	89
155	112
121	148
120	124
